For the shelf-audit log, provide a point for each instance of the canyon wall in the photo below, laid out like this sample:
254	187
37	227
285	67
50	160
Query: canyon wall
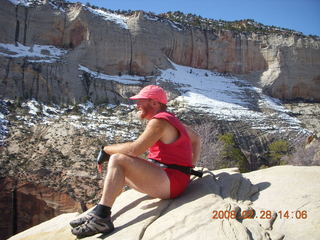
25	204
286	67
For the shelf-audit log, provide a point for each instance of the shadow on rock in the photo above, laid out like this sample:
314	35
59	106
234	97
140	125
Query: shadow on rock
220	187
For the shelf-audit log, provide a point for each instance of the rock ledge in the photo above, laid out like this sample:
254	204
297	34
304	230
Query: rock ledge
267	192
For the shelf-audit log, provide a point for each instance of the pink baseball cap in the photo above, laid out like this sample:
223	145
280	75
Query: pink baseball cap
151	92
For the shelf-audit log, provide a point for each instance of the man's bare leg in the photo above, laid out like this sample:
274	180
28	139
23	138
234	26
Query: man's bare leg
139	173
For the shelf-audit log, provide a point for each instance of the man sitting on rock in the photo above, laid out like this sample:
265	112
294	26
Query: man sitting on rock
173	150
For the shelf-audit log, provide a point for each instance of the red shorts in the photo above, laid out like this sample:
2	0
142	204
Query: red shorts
179	181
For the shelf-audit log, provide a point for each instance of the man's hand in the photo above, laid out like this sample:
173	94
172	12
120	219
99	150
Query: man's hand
100	167
102	156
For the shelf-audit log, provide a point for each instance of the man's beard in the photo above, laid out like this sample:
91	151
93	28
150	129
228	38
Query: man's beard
143	112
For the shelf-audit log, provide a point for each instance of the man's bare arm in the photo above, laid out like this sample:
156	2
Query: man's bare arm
196	144
151	135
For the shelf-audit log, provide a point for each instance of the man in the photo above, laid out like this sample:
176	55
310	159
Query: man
168	141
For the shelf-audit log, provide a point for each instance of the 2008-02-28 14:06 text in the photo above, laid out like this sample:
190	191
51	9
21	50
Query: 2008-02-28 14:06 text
262	214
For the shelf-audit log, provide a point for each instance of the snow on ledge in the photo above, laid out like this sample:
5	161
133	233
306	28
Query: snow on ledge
29	3
107	16
173	24
229	98
25	3
46	53
124	79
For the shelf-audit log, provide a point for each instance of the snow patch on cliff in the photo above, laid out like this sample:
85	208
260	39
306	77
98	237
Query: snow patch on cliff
108	16
229	98
31	3
34	53
169	22
123	79
3	121
223	96
25	3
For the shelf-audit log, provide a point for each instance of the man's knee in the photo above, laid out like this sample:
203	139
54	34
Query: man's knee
117	159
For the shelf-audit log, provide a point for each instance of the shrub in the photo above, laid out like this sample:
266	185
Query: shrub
232	154
219	151
305	155
211	148
277	150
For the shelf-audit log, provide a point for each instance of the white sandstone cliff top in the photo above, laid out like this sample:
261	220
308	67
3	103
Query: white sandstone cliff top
268	191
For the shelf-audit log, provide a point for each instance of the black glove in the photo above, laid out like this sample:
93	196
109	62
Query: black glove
103	156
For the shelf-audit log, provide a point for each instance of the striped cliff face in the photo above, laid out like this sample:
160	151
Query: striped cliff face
72	36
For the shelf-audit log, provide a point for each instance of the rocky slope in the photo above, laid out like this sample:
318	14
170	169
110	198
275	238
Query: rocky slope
48	159
275	203
308	113
44	47
54	147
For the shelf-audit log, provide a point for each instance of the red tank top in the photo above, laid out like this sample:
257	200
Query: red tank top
180	151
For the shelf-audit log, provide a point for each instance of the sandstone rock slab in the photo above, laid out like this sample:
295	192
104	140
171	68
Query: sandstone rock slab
192	216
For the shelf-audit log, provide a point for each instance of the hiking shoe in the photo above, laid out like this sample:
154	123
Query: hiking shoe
79	221
93	226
